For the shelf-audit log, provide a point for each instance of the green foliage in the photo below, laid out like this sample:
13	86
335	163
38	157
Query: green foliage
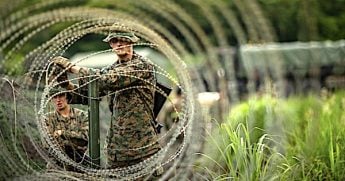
231	155
332	19
282	14
255	113
14	65
307	146
295	20
17	153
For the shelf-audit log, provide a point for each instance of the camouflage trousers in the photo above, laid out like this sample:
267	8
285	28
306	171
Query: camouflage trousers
118	164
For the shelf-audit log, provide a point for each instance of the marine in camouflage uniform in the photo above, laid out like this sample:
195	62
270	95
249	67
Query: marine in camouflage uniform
131	138
69	132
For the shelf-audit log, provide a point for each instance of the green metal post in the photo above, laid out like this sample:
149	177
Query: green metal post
94	134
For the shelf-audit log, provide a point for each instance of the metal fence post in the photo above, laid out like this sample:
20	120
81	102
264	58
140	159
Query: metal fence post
94	133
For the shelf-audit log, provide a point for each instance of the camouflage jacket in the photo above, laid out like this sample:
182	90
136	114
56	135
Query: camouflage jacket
130	86
74	130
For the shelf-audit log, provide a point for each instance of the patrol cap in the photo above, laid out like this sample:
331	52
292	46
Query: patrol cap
123	36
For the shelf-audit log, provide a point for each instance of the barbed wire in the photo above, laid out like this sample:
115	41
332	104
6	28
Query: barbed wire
177	156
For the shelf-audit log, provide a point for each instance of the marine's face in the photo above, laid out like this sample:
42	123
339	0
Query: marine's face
121	48
60	101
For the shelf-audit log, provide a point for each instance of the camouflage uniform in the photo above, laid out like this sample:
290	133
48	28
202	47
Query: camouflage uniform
74	138
131	137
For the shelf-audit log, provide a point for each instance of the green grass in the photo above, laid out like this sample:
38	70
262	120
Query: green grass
301	138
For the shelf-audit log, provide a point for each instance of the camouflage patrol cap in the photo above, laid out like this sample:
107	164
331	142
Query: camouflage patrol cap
123	36
55	91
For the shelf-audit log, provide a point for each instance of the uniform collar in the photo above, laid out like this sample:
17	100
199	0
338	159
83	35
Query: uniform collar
134	56
122	61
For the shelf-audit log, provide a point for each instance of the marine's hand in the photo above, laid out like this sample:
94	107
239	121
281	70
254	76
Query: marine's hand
62	62
63	79
60	75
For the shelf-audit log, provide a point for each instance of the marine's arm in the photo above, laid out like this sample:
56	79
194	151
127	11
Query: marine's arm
124	76
77	135
111	79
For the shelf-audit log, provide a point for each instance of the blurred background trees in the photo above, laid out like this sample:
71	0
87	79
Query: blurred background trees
306	20
292	20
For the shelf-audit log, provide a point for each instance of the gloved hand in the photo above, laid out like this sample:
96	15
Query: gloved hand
62	62
62	78
58	70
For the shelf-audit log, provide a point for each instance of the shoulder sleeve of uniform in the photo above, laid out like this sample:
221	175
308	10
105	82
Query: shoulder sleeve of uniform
83	115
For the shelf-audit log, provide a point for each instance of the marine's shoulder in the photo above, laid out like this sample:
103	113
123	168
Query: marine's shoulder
137	57
78	111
